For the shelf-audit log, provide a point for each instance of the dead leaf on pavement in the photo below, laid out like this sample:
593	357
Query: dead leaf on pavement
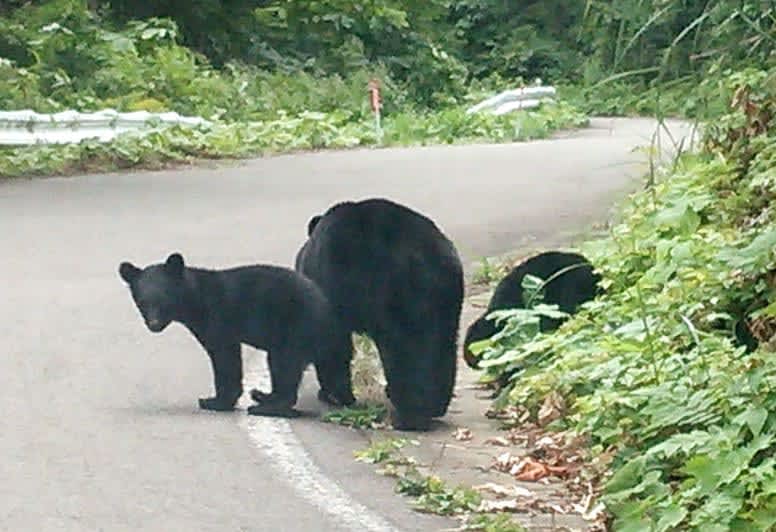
532	470
510	505
505	491
505	462
499	441
463	434
546	441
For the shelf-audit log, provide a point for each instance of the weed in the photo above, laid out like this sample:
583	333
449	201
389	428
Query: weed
432	495
382	450
364	416
492	523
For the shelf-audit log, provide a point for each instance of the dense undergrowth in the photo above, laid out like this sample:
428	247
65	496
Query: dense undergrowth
60	55
651	372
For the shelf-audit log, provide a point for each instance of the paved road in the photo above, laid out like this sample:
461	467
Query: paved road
100	429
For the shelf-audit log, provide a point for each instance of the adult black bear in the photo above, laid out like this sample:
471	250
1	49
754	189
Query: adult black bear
578	283
392	274
267	307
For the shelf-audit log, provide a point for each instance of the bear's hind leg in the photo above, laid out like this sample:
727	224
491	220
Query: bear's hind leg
422	374
285	369
409	383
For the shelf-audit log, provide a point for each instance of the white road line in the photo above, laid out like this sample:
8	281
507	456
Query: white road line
286	454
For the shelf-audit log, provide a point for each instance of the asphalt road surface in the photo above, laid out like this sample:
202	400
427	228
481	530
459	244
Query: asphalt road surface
99	427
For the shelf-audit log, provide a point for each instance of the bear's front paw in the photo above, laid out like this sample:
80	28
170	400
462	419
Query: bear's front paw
273	410
327	397
216	404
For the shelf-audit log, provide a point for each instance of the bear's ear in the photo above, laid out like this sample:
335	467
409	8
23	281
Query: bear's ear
128	272
312	223
174	265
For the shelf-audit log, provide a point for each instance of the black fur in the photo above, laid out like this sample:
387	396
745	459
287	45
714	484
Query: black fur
568	291
267	307
392	274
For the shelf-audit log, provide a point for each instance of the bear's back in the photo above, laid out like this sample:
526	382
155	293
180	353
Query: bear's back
577	283
268	298
383	235
377	254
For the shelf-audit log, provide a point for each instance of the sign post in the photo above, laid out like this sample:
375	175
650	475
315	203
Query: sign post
376	104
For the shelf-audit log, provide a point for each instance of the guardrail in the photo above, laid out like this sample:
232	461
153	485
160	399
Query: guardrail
18	128
513	100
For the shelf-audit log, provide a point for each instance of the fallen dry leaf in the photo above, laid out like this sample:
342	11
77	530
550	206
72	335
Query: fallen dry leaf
596	513
463	434
505	462
546	441
529	470
499	506
543	457
505	491
512	414
559	509
498	441
532	470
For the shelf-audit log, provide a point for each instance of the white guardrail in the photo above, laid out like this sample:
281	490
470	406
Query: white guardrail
19	128
514	100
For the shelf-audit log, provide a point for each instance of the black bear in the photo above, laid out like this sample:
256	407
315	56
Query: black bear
268	307
570	281
391	273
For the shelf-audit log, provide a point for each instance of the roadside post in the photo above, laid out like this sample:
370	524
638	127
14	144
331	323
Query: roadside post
376	104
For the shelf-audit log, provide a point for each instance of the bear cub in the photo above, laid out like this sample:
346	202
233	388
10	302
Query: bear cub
570	281
267	307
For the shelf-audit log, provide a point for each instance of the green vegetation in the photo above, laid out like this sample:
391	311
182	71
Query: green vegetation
492	523
490	271
383	451
652	372
364	416
59	55
430	493
248	60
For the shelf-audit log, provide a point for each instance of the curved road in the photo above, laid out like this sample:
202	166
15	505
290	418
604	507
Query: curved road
100	429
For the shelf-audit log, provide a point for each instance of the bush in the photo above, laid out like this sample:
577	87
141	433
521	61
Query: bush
652	371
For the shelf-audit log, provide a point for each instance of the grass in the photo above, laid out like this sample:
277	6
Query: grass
429	493
363	416
307	131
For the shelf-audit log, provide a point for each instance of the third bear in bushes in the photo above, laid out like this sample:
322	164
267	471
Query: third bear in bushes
570	281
